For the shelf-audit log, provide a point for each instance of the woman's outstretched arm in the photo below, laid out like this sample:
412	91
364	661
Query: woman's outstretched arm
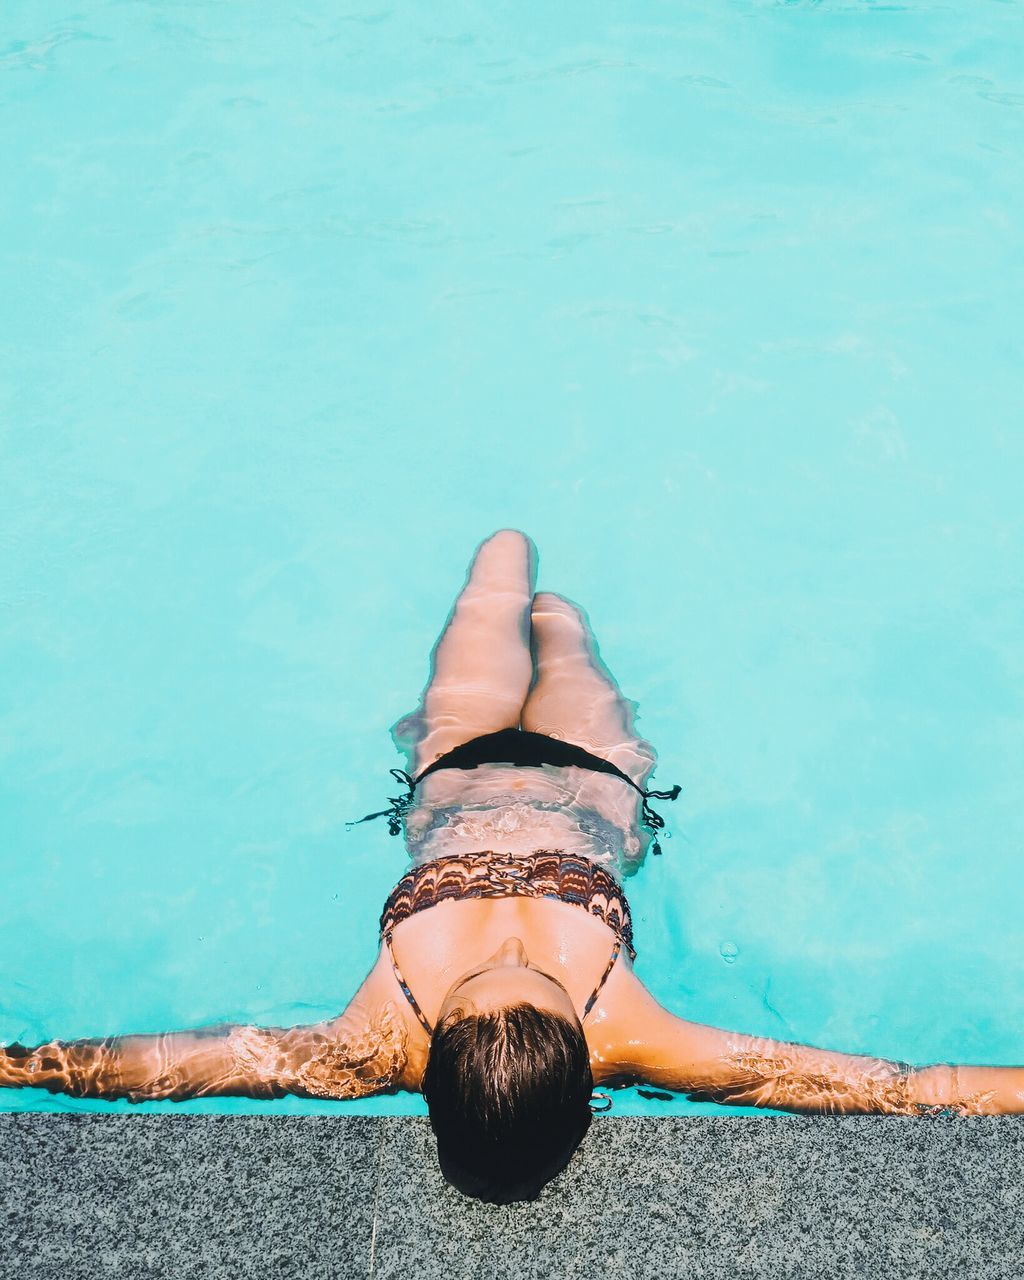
709	1064
361	1052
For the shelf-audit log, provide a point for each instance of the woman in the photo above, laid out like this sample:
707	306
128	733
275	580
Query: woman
494	992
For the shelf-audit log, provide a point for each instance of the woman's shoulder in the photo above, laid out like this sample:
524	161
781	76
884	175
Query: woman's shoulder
617	1021
381	1004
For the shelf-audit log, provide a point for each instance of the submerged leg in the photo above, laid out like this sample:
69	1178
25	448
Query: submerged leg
481	664
576	699
575	696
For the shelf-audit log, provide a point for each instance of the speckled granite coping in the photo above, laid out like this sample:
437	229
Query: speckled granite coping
239	1196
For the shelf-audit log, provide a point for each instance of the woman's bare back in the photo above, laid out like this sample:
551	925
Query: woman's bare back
436	947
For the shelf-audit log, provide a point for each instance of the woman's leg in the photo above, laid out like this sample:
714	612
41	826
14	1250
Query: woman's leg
575	698
481	664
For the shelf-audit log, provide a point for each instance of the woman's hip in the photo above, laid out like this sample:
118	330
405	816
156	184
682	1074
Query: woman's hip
518	810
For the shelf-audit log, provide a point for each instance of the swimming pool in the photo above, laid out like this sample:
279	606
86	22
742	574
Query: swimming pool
717	302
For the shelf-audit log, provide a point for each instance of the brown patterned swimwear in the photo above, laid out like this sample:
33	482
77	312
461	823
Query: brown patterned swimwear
546	873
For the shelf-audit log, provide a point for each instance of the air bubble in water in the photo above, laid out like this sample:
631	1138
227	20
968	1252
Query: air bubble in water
729	951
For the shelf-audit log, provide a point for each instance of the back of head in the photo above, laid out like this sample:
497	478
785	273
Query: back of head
509	1099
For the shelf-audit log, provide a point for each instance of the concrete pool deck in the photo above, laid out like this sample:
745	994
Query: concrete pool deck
276	1196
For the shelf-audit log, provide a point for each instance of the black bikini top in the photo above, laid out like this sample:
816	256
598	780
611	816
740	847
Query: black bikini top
518	747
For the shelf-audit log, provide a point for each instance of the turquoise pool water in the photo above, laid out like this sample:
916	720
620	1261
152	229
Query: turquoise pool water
719	302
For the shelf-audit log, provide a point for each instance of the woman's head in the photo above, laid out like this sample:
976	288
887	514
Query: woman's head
508	1079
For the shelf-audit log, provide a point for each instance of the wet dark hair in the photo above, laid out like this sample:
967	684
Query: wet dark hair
509	1098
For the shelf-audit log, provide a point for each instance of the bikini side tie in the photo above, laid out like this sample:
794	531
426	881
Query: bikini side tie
519	747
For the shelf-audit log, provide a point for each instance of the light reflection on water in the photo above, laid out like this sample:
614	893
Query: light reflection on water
717	302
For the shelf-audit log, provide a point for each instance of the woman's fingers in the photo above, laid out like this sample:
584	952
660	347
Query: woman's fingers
481	664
